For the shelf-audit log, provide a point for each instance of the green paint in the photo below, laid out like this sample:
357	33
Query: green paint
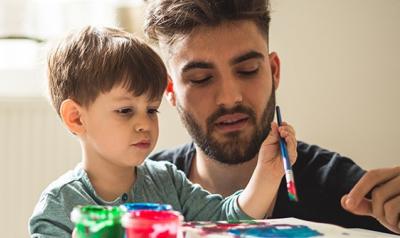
97	222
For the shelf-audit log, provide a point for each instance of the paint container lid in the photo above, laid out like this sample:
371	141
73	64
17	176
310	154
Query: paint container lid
142	218
96	217
146	206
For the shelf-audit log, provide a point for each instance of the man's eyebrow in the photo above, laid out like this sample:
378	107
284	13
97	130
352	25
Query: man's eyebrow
197	65
207	65
249	55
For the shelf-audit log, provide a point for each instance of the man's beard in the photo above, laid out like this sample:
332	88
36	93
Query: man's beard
235	150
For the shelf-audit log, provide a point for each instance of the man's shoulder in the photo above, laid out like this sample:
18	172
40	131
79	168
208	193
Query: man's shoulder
180	156
314	155
325	168
182	151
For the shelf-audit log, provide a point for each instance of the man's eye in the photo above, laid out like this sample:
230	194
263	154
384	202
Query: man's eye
124	111
201	81
153	111
248	72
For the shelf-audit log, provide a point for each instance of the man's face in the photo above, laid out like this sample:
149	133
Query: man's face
224	82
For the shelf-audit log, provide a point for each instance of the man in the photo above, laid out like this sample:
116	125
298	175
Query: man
223	82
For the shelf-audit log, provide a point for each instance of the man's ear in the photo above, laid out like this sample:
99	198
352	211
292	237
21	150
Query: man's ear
275	68
170	93
70	112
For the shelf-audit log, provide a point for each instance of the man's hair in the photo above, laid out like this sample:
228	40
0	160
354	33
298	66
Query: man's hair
94	60
167	20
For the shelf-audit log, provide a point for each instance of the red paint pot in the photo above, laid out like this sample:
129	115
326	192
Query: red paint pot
152	224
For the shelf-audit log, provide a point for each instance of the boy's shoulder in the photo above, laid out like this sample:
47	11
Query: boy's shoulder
150	166
159	172
72	179
52	212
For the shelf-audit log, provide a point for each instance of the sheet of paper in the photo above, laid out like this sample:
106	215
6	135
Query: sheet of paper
285	227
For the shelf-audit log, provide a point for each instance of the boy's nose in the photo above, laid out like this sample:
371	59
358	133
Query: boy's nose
143	124
142	128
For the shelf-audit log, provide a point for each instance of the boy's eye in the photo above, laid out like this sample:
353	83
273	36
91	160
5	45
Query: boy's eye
124	111
153	111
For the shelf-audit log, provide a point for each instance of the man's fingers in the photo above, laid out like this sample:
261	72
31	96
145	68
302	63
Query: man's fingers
364	207
392	211
367	182
383	195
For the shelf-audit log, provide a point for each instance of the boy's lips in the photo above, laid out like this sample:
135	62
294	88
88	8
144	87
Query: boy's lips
231	122
143	144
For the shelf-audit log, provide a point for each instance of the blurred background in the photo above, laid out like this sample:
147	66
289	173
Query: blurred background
340	84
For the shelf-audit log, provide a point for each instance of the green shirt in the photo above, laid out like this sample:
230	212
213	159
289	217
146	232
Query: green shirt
158	182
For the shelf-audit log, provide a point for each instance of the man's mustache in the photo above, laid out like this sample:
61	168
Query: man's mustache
225	111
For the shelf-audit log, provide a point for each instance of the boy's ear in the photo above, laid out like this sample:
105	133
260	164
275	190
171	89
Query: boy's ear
170	93
70	112
275	68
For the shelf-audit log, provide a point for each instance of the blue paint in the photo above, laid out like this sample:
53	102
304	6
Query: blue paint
147	206
287	231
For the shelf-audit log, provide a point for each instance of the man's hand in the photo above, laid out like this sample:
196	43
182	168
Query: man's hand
384	204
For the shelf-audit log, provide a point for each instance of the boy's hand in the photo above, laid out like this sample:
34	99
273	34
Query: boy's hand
258	198
270	154
384	205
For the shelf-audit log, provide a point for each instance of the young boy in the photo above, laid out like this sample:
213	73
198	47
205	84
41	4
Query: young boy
107	86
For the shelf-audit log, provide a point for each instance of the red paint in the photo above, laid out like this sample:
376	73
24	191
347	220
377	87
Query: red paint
292	188
152	224
170	86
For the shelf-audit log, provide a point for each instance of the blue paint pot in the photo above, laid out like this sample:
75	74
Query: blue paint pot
146	206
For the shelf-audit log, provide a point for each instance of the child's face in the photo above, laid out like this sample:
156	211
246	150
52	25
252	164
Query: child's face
120	128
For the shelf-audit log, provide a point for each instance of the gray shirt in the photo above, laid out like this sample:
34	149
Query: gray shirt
158	182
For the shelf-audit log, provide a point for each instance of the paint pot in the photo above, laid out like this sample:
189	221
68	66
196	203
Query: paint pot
97	221
146	206
152	224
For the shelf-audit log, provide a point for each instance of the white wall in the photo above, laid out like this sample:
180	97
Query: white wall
340	76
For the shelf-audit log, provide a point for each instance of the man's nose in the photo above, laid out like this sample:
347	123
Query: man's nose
229	92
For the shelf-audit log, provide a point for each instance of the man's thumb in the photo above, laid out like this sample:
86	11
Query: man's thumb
363	208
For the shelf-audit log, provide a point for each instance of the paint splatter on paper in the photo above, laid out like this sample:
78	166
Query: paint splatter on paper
282	227
251	229
282	230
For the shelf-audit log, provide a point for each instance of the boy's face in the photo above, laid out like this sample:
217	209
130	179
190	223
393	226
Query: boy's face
224	82
120	128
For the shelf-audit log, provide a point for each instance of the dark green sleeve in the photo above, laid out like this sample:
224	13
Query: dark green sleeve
200	205
49	219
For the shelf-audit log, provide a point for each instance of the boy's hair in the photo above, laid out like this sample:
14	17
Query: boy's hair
167	20
94	60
